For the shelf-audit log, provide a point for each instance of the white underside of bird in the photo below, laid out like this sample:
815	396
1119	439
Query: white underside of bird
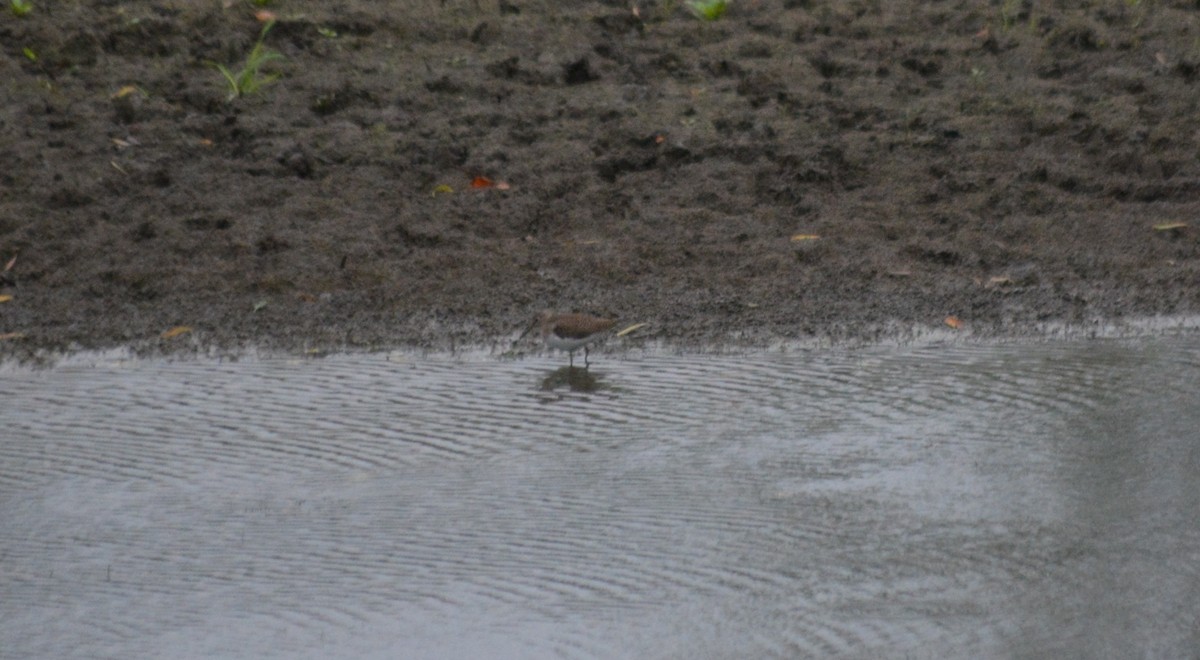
568	344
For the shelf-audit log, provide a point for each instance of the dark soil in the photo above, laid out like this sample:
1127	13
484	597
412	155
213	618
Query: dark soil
1004	162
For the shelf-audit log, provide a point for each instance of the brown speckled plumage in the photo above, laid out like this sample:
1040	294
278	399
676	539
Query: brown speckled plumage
570	332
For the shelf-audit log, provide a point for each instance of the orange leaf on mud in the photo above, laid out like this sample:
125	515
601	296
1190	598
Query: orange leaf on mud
482	182
953	322
176	331
5	298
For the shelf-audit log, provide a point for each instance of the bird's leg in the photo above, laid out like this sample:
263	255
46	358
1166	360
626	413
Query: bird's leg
571	358
586	364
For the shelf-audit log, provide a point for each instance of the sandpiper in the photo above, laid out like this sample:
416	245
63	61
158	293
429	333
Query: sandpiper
570	332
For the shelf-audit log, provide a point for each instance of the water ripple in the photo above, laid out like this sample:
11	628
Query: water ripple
954	500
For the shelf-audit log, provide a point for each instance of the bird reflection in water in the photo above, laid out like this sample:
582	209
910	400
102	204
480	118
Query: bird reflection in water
573	378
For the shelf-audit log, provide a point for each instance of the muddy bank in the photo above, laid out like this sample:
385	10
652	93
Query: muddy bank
795	169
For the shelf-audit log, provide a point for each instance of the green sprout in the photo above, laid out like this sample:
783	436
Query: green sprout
20	7
250	79
708	10
1010	11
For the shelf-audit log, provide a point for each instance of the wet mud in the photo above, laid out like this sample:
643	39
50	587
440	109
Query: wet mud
432	174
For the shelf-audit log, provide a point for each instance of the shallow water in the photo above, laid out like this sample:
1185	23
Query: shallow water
1021	500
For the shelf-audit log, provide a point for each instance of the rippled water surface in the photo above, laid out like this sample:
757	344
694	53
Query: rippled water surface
1035	500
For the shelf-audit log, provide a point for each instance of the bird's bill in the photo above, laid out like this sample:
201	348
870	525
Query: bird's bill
527	330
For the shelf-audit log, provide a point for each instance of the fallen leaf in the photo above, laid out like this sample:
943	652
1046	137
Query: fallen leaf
12	335
482	182
443	189
1168	226
630	329
11	262
118	167
205	142
264	16
5	298
259	305
804	237
176	331
125	91
501	185
999	280
953	322
659	139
